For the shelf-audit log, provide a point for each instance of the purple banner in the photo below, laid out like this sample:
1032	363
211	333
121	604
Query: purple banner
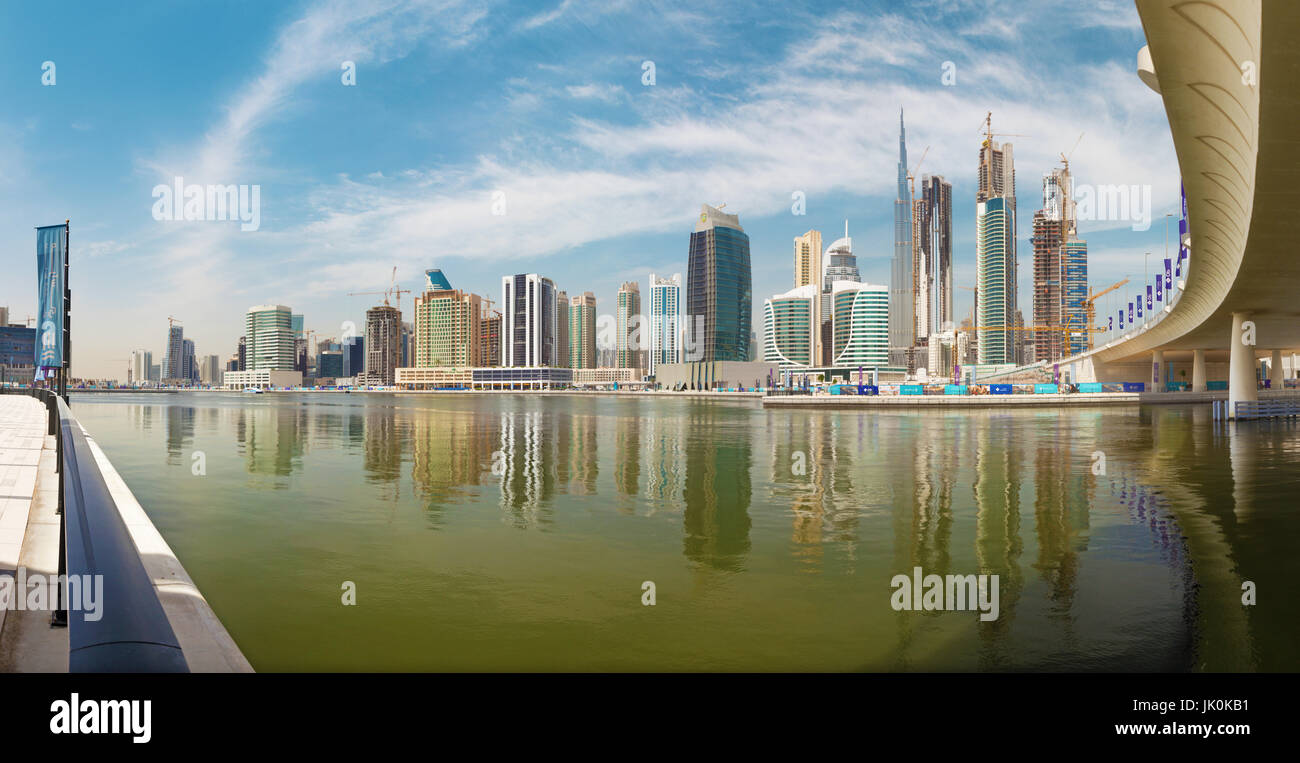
1148	297
1169	279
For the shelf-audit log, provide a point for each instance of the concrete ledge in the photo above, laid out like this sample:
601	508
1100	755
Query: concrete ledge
992	401
207	645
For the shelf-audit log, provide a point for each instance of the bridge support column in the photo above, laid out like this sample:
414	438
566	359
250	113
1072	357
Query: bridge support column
1241	367
1198	370
1157	370
1275	371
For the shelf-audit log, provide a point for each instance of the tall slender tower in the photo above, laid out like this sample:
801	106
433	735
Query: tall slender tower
628	343
901	296
808	270
995	252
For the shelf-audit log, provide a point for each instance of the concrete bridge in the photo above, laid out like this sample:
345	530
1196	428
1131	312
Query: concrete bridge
1227	71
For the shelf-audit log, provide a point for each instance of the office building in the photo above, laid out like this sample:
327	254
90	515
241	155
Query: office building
269	339
174	354
860	324
934	255
448	328
789	328
808	271
582	331
383	351
528	320
995	253
627	317
562	357
665	320
719	287
141	362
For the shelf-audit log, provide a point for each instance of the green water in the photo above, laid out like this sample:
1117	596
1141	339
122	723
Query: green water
771	536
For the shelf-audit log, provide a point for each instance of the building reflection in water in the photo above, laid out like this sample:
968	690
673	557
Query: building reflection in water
271	438
717	492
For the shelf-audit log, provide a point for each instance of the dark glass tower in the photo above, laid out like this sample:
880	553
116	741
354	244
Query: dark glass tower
718	289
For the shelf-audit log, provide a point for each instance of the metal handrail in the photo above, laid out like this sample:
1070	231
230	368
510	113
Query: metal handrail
132	633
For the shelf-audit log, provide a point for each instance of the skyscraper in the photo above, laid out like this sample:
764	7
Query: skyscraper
447	328
174	353
269	339
1060	270
528	320
808	270
860	325
383	335
141	361
902	320
562	329
789	330
189	365
719	288
665	320
627	317
582	331
995	252
935	249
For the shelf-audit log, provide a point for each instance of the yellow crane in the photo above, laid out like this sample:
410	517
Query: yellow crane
1090	307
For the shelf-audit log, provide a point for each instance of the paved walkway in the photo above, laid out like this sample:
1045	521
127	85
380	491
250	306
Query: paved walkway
29	533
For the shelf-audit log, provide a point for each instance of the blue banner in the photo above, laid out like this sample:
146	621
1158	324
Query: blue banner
1130	312
1110	323
999	389
1160	289
1139	304
1169	279
1148	297
1121	319
51	254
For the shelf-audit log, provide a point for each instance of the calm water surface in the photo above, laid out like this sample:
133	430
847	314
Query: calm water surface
771	536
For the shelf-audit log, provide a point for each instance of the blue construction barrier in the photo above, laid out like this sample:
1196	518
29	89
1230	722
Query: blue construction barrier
868	389
999	389
1135	387
954	389
1046	389
911	389
1213	386
1176	386
1091	387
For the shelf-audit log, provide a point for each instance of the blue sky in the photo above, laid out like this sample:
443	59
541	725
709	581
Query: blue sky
603	176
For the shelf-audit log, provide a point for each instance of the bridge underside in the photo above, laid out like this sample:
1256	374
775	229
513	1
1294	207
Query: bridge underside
1227	71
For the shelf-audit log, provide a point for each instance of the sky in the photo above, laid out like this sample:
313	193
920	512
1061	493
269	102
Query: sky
460	105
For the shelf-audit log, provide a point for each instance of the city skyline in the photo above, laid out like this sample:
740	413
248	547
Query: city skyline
649	153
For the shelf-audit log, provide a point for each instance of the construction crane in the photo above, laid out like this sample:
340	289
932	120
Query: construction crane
1065	157
1090	308
911	176
171	320
986	127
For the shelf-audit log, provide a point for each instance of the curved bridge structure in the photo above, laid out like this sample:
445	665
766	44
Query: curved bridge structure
1229	74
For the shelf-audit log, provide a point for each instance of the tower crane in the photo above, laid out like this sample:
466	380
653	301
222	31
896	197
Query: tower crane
987	128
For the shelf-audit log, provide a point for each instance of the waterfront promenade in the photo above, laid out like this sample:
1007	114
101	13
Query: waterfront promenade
29	545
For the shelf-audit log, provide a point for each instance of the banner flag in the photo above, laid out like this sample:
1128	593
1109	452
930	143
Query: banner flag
1130	312
1160	289
51	254
1169	279
1148	298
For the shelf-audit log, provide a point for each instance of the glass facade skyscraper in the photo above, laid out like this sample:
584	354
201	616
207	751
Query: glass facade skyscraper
665	320
719	289
528	320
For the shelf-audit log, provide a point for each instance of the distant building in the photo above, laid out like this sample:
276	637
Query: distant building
141	362
269	339
627	317
447	329
354	356
190	365
330	365
210	370
789	337
582	331
383	334
562	338
995	253
860	325
528	320
174	354
665	320
491	339
17	353
719	287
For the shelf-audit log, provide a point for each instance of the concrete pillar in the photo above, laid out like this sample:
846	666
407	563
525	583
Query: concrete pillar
1157	370
1198	370
1241	367
1275	370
